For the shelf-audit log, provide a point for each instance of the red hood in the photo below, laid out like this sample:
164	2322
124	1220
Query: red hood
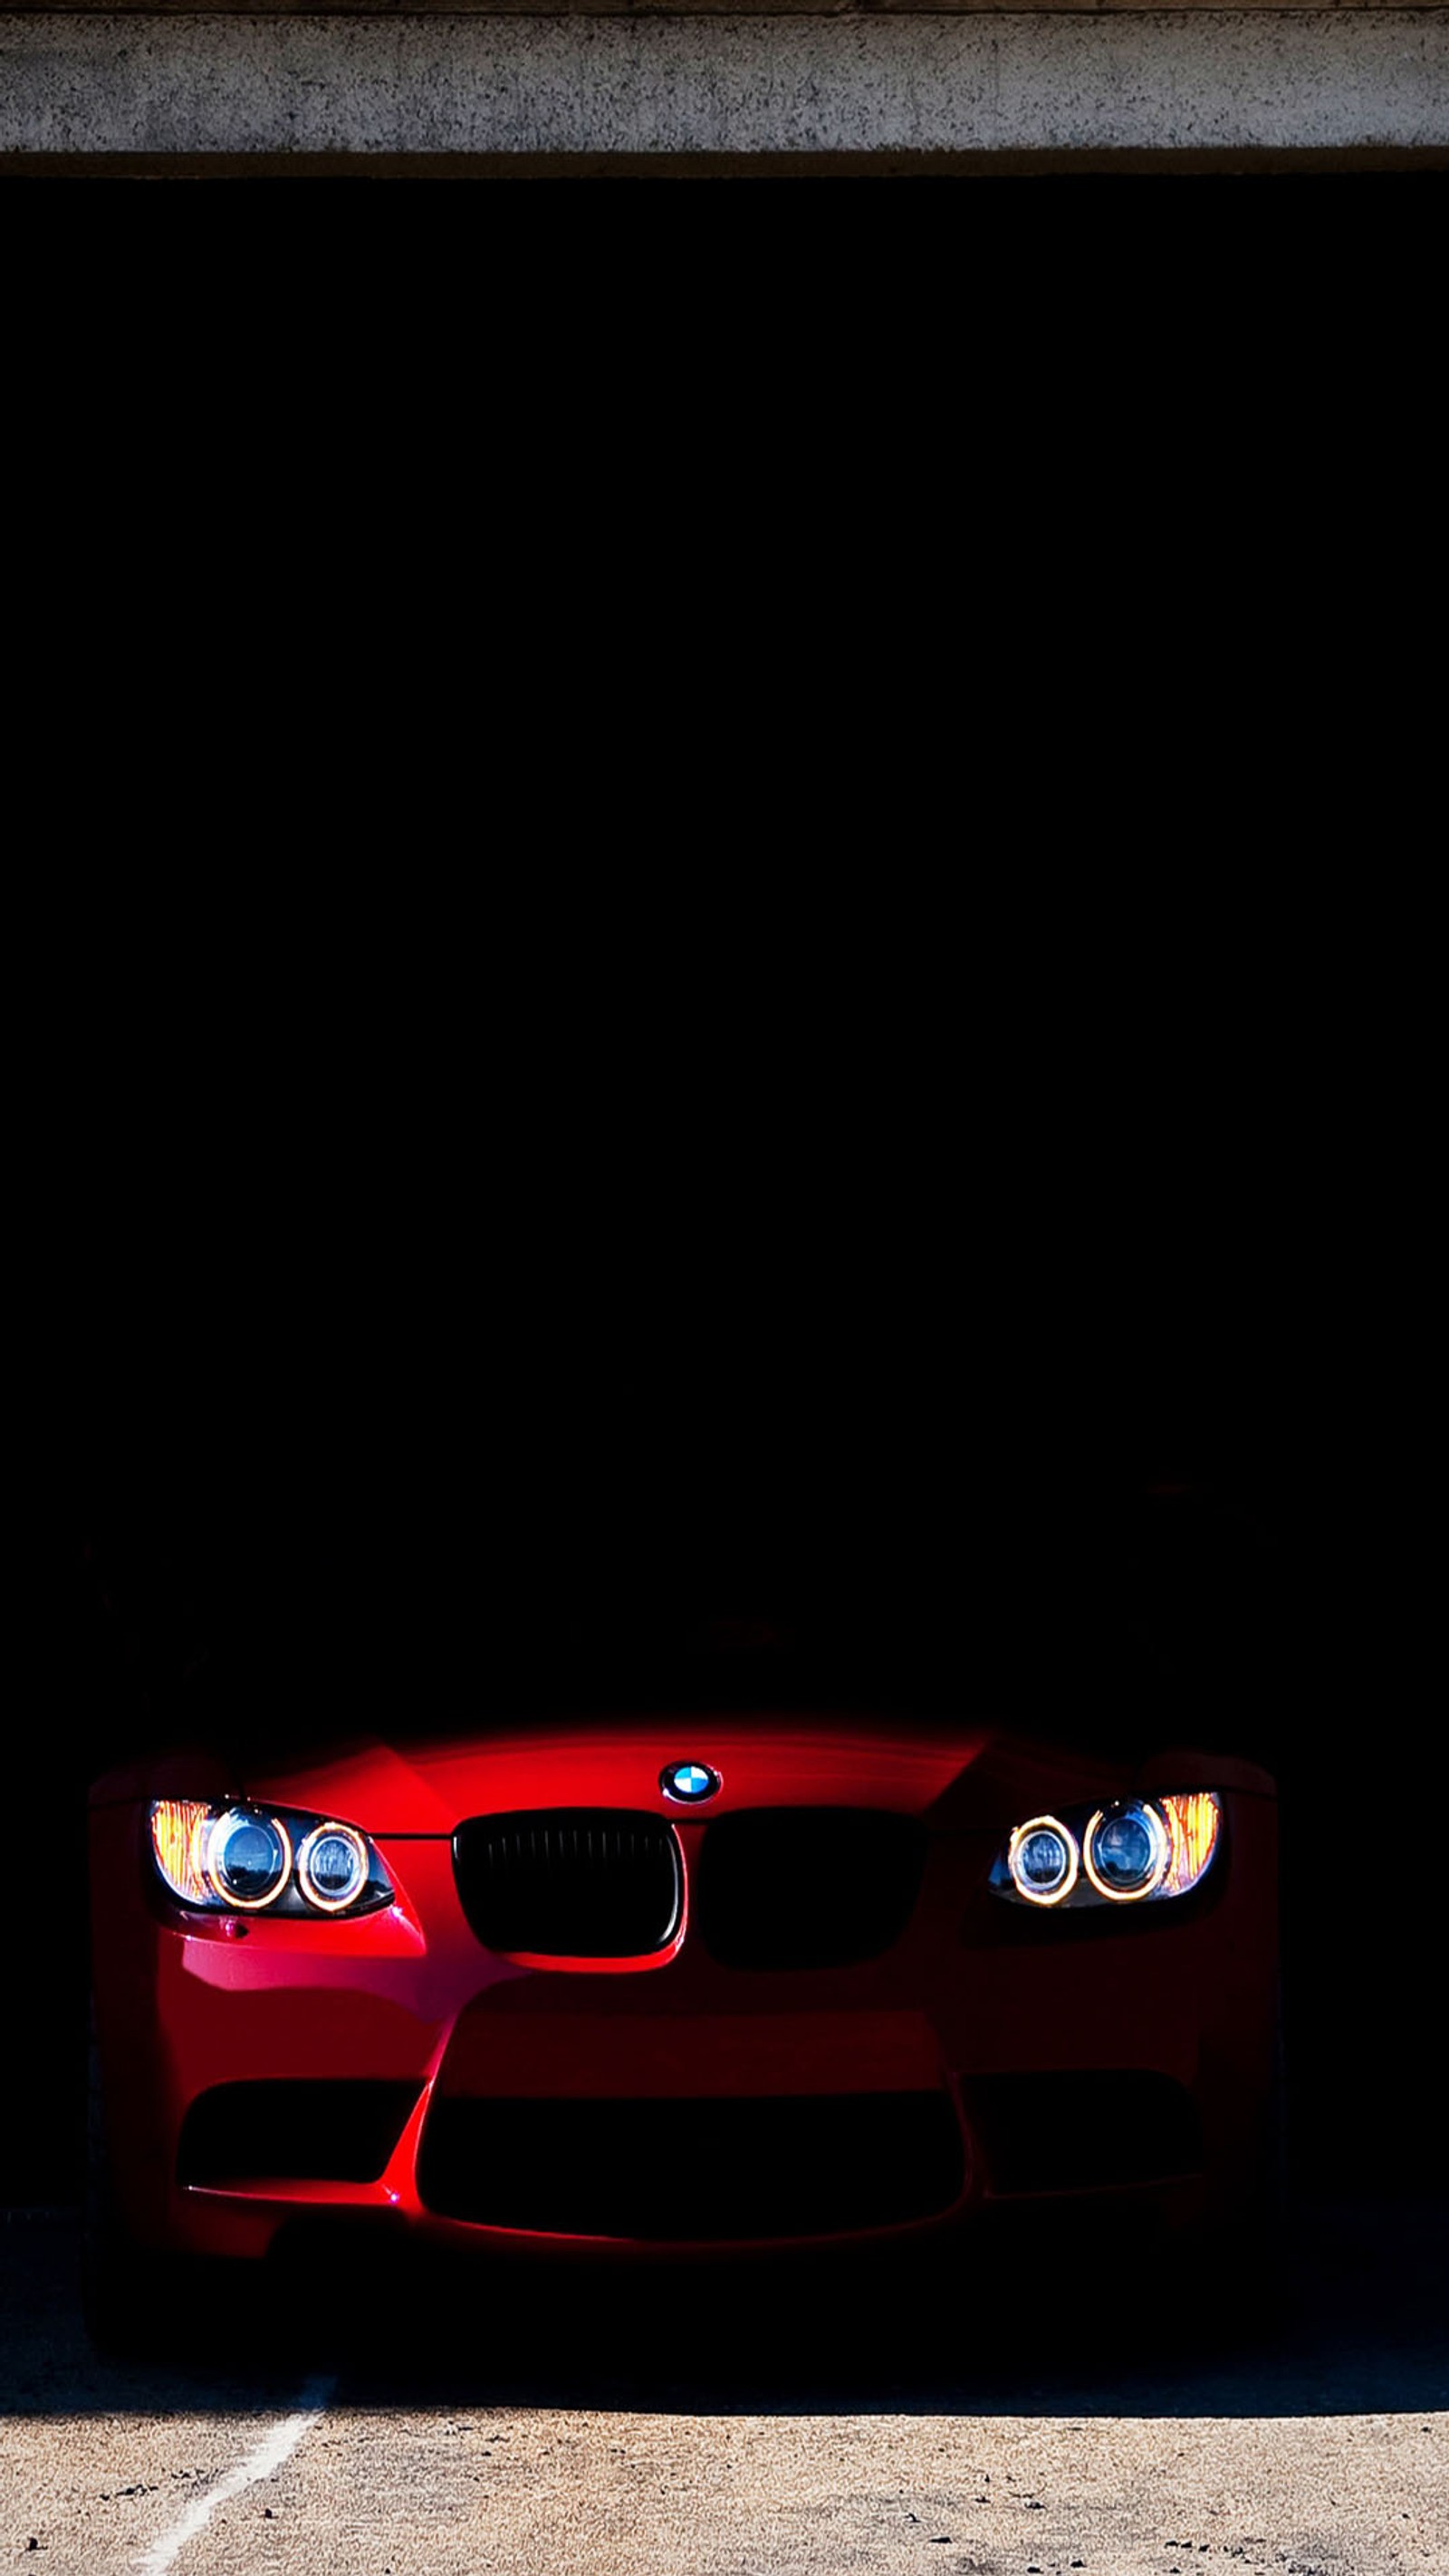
430	1788
954	1775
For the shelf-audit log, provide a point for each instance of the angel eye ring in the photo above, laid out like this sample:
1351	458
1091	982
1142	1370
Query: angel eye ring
1043	1860
1126	1850
332	1867
248	1858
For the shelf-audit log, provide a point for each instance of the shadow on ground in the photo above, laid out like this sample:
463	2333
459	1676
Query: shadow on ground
1360	2328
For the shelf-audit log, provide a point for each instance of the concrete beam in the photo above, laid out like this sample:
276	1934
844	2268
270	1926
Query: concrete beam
445	89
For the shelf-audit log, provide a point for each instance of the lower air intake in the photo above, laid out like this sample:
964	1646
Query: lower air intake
689	2172
298	2131
1083	2132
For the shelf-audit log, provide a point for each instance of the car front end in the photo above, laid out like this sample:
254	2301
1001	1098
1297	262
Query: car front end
682	1986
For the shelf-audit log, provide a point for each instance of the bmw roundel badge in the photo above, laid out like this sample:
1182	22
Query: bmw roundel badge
688	1783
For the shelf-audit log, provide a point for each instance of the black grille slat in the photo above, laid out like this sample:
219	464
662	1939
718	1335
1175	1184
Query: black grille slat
580	1883
691	2171
806	1887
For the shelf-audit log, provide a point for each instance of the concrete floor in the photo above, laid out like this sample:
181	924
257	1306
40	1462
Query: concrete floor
728	2432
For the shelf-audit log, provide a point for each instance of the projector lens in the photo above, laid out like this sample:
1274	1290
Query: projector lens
248	1858
1127	1849
332	1867
1042	1859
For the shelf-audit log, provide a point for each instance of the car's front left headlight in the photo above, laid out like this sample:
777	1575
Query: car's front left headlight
244	1859
1128	1851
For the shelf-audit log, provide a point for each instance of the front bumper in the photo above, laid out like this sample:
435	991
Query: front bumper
617	2110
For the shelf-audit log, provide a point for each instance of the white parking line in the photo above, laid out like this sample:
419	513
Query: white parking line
273	2449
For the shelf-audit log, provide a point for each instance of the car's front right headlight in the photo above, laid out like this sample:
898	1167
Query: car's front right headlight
245	1859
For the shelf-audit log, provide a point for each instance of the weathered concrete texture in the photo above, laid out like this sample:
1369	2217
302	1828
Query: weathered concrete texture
656	8
752	2424
1190	81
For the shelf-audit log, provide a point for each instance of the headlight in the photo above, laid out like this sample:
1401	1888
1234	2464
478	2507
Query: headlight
248	1858
1119	1854
332	1868
1042	1859
1126	1849
274	1860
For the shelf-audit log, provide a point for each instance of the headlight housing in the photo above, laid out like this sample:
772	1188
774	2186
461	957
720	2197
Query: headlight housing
1128	1851
244	1859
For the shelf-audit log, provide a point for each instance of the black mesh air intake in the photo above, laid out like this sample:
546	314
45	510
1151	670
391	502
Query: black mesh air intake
570	1882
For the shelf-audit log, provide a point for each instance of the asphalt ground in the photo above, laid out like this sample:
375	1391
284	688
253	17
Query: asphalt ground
899	2423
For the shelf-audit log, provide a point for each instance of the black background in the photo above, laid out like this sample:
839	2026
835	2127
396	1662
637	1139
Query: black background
404	1252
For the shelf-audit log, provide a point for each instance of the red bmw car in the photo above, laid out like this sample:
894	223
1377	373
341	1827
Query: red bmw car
688	1971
